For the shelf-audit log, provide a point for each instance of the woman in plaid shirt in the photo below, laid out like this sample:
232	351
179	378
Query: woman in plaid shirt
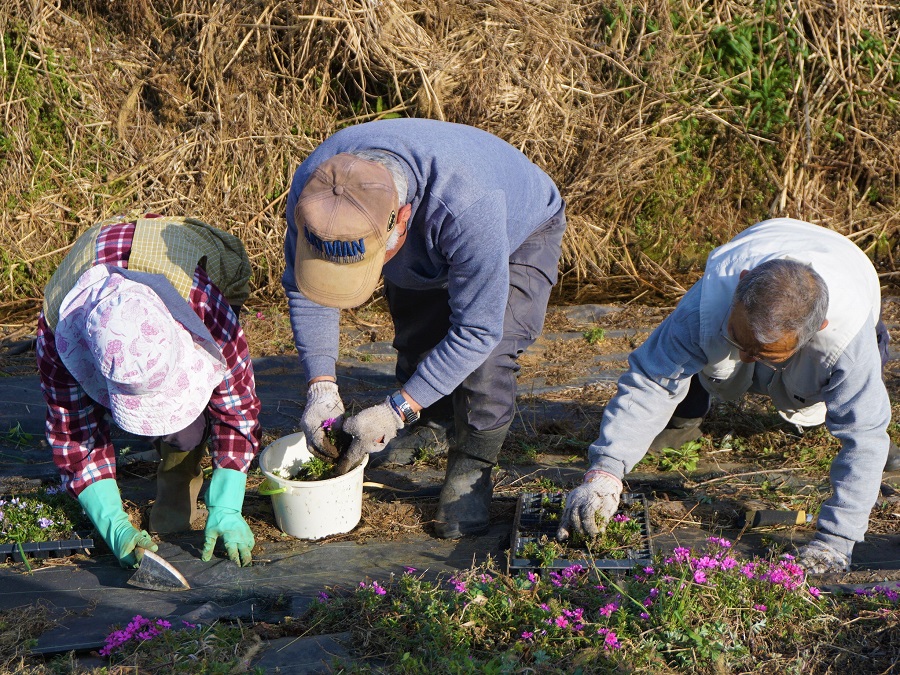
140	324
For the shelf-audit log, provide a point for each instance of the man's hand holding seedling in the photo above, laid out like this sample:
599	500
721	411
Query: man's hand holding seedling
371	429
597	496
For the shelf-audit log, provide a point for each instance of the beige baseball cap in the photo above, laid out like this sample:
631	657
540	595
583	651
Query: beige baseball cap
344	216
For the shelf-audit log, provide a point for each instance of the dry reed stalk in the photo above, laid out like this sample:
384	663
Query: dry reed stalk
206	107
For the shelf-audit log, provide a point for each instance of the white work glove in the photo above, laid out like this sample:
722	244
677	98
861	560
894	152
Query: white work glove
371	429
818	557
598	495
323	402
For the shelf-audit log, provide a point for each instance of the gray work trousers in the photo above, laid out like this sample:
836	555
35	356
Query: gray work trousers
485	400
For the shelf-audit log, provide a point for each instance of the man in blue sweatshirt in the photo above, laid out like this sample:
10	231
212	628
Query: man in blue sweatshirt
787	309
467	232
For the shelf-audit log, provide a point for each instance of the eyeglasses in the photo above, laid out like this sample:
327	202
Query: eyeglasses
771	365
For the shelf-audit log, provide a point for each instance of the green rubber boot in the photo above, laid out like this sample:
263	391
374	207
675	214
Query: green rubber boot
178	482
464	507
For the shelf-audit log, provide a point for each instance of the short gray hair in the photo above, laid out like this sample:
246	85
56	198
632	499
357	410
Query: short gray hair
783	297
392	164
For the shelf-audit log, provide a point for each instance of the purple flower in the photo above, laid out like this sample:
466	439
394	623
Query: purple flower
544	606
649	570
682	553
378	589
621	518
533	578
561	621
45	523
260	315
409	570
329	423
608	609
527	635
815	592
644	616
759	607
323	596
700	577
719	541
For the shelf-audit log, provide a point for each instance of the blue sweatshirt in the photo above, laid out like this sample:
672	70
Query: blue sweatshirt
475	199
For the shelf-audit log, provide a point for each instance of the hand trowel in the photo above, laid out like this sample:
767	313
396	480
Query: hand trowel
156	574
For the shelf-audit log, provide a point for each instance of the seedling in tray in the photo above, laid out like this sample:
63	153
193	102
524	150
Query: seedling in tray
624	543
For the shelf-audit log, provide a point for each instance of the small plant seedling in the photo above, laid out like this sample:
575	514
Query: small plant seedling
17	436
684	458
594	335
315	469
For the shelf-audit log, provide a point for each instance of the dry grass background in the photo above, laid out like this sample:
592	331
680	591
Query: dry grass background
669	125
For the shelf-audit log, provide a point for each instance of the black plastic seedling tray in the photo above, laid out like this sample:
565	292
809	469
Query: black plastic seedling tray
537	516
44	549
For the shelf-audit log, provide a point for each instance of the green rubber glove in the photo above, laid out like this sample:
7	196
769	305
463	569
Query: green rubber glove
103	504
225	499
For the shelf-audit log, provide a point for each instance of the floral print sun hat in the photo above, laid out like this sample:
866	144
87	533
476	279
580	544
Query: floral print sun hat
122	344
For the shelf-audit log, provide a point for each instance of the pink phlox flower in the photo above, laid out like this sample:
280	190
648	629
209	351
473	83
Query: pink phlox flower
608	609
323	596
682	554
458	586
572	571
409	570
647	602
527	635
815	592
379	590
749	570
610	641
533	578
787	556
575	614
561	621
162	623
719	541
188	624
654	592
329	423
260	315
600	587
544	606
700	577
644	616
759	607
728	563
704	563
621	518
649	570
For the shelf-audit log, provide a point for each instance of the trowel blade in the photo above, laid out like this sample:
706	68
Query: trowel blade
156	574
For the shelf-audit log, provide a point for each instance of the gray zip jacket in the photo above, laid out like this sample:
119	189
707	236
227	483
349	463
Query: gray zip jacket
840	367
475	199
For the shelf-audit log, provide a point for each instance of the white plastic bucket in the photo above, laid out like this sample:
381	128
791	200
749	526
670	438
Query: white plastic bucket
309	509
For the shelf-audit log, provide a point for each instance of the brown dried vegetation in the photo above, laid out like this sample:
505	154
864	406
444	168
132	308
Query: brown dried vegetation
669	126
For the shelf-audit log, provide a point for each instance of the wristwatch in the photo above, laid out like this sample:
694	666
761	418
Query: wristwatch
403	408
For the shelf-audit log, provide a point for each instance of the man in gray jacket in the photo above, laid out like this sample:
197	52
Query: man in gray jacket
467	232
787	309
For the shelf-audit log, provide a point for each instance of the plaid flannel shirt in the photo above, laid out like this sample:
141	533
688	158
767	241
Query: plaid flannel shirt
78	427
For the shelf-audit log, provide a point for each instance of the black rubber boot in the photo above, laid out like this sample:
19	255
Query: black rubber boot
179	478
678	431
893	460
464	507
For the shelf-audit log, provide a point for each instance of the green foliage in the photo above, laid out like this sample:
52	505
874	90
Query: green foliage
315	468
684	458
594	335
